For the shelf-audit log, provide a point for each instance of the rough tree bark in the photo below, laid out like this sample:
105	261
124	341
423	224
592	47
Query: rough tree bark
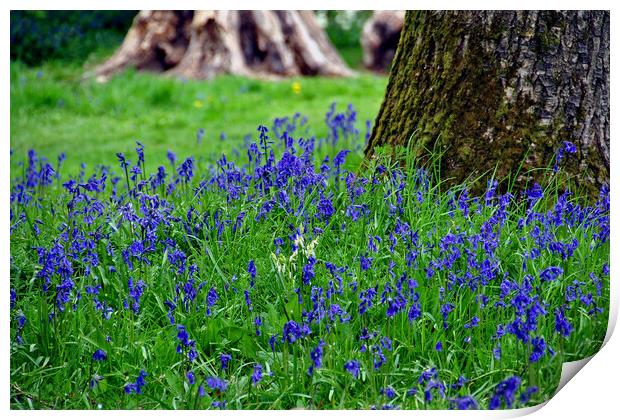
379	40
202	44
501	88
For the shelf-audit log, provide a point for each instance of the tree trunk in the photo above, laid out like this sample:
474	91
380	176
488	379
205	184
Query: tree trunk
380	38
494	90
156	41
202	44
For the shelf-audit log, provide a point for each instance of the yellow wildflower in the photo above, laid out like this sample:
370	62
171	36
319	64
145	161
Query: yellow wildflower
296	88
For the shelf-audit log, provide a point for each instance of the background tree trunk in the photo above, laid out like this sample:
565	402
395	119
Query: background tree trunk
156	41
500	88
202	44
380	38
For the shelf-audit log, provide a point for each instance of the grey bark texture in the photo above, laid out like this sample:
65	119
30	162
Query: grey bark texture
494	90
202	44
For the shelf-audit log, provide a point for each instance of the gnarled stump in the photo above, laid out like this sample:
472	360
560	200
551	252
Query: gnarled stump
380	36
494	89
156	41
202	44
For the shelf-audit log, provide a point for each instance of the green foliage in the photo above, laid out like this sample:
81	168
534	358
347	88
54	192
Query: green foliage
37	36
344	29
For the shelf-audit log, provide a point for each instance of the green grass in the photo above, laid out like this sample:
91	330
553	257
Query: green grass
54	111
455	249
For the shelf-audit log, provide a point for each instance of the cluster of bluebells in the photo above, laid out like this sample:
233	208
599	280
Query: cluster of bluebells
365	272
186	346
567	148
506	393
136	386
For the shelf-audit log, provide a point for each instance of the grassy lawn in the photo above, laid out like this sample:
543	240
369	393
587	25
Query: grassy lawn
53	110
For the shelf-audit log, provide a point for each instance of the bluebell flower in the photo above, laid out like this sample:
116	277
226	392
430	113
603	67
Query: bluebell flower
445	311
172	158
252	269
366	299
258	322
525	396
459	382
473	323
386	343
292	331
140	152
534	193
21	321
216	384
186	170
307	273
566	147
379	358
136	289
538	349
248	302
466	402
325	208
257	375
426	375
272	342
569	147
211	300
136	387
365	262
432	385
92	290
497	352
550	273
316	356
353	367
415	312
219	404
190	377
99	355
340	158
200	133
388	392
505	391
224	360
123	161
562	326
186	346
94	381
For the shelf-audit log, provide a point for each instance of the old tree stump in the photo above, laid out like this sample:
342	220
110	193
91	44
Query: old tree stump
202	44
380	36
